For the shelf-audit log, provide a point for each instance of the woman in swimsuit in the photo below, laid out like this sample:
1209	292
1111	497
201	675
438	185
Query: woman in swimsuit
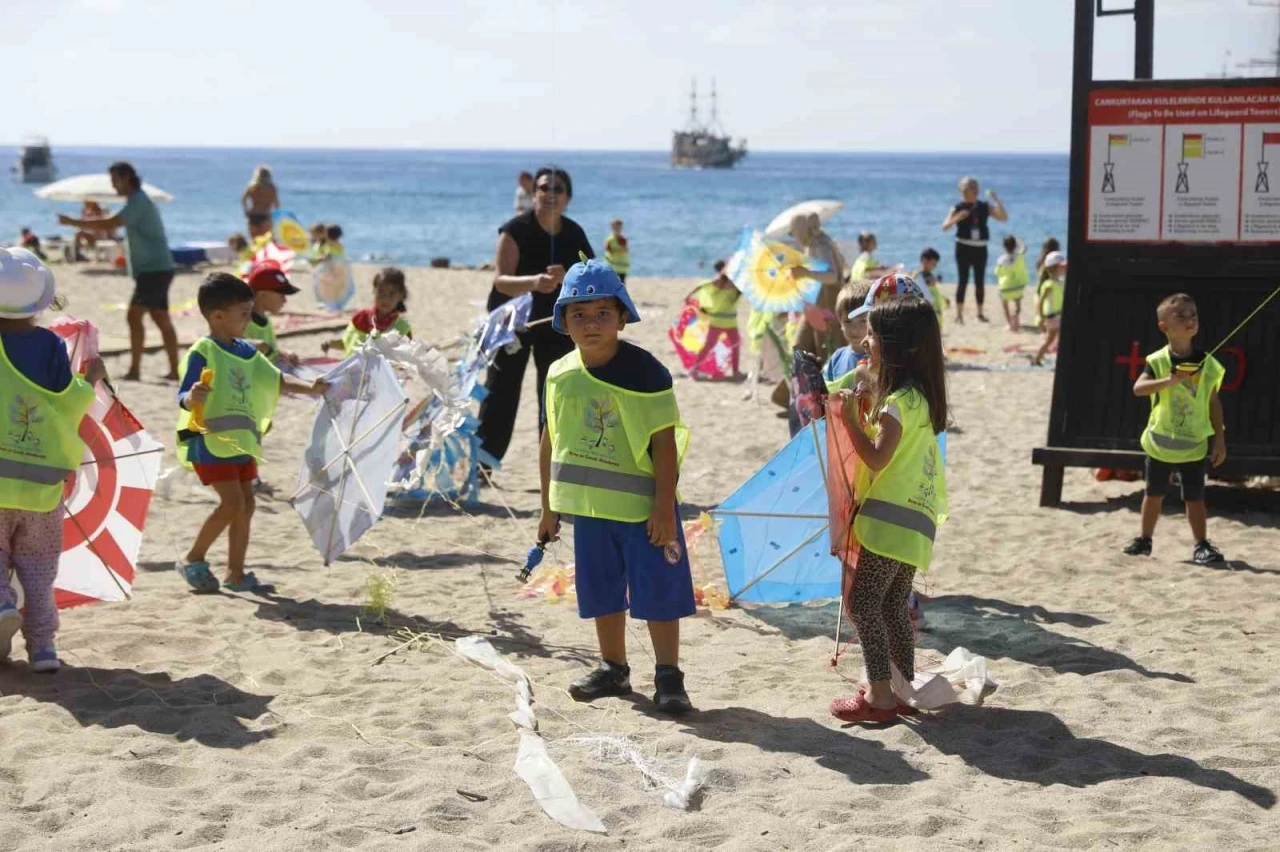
259	200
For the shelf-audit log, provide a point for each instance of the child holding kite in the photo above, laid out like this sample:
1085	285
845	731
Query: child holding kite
899	512
41	448
227	397
610	457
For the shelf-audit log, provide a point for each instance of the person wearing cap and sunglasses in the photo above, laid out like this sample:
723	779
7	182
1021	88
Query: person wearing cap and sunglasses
534	250
44	403
609	459
271	289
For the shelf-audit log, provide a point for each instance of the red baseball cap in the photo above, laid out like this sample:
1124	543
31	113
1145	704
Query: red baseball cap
267	275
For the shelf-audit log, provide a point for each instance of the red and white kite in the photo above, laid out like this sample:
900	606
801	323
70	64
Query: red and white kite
106	500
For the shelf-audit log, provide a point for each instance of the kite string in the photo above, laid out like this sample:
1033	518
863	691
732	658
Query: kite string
1246	320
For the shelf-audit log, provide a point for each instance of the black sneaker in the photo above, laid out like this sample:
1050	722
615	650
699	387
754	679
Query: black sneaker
1140	546
1207	554
608	679
669	695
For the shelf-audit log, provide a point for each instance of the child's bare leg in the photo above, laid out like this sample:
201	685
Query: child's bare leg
611	633
1196	513
666	642
230	506
1151	514
238	535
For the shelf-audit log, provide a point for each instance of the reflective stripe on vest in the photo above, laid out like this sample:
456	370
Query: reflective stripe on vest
231	422
899	516
37	474
609	480
1174	443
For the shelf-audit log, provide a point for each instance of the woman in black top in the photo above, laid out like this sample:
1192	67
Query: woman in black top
970	218
534	250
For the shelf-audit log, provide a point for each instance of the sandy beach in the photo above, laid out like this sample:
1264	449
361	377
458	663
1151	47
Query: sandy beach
1135	707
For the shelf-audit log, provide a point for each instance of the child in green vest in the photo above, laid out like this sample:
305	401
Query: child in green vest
717	301
926	277
1183	384
866	266
271	289
1012	279
387	313
617	253
221	424
41	446
610	456
1050	295
906	499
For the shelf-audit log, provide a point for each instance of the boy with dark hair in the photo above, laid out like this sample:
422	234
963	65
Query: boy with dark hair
1183	384
929	259
610	457
227	396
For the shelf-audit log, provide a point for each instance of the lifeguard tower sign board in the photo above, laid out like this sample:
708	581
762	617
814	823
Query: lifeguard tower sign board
1184	165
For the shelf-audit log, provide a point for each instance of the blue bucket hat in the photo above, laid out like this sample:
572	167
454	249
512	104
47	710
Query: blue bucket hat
588	281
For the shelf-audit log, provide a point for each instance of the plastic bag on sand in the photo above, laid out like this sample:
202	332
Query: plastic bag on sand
962	678
479	651
549	786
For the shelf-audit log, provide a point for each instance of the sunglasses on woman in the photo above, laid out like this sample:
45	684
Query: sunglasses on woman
558	188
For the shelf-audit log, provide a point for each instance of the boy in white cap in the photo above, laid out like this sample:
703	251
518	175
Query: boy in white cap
40	448
610	457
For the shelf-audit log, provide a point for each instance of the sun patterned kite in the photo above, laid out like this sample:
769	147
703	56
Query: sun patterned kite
288	232
106	500
762	269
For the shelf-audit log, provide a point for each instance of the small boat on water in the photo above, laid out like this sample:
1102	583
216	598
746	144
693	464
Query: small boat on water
701	145
35	161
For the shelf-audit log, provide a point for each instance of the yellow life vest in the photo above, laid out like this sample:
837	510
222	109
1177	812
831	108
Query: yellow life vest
353	337
617	255
1012	277
600	436
719	306
863	263
1055	291
899	513
40	443
238	410
1179	425
265	333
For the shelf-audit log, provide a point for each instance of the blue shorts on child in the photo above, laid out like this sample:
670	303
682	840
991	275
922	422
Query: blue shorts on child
616	566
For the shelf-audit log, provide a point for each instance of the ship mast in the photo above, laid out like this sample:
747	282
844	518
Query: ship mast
693	104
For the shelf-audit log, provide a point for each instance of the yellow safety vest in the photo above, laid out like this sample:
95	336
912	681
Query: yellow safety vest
899	514
1056	291
847	381
40	443
1012	277
265	333
863	262
617	255
353	337
719	306
600	436
1179	426
238	410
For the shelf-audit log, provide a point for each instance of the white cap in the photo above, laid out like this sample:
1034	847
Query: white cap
1055	258
26	284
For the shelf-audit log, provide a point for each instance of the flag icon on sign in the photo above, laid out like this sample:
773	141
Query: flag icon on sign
1193	146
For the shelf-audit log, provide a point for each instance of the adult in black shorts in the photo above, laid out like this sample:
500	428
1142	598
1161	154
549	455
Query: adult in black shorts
971	219
534	250
150	265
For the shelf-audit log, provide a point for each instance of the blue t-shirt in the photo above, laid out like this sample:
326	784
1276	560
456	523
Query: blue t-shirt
841	363
197	453
41	356
633	369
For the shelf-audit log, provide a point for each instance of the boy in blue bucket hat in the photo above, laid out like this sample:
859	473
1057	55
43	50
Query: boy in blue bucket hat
611	450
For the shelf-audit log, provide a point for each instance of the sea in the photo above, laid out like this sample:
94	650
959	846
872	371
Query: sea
412	206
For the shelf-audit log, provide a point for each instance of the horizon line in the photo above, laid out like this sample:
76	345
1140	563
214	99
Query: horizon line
447	150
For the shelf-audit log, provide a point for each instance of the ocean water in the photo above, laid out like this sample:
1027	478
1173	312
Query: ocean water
408	207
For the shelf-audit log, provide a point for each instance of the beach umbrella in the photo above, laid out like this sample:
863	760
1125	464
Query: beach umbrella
355	438
761	269
107	498
93	187
781	223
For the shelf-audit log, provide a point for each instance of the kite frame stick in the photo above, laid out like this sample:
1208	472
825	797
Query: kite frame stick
732	513
125	456
88	541
799	547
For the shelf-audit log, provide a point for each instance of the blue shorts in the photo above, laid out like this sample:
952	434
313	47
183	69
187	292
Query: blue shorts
616	566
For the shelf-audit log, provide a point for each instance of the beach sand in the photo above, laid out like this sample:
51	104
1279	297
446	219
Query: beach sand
1135	707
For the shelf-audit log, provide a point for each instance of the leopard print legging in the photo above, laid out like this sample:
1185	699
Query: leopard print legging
878	608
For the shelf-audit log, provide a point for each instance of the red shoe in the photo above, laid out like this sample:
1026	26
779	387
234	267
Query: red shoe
860	711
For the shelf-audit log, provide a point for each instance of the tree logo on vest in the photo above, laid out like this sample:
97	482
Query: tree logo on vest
239	385
927	492
600	415
24	417
1183	409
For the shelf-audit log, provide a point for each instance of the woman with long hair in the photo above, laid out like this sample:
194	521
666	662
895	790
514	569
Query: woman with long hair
259	199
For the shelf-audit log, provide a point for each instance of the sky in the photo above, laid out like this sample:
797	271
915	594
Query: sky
846	75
